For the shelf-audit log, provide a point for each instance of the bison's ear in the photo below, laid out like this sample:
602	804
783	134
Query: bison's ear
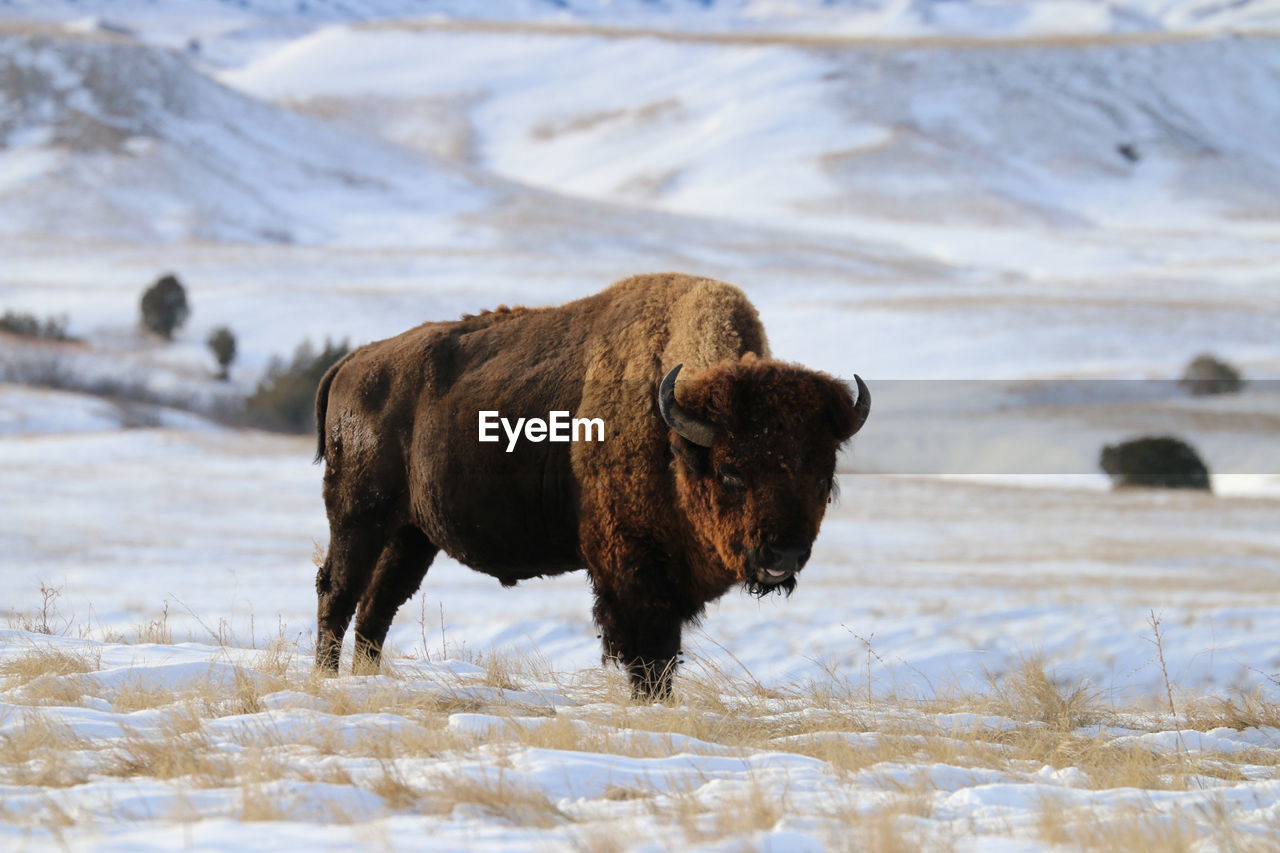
847	414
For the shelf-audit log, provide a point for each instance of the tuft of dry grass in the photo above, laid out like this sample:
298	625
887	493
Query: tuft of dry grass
53	690
751	810
495	795
1127	829
598	839
1030	693
39	753
42	662
1245	711
189	757
398	794
155	630
618	793
137	694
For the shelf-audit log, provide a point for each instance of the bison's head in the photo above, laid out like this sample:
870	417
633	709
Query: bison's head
754	445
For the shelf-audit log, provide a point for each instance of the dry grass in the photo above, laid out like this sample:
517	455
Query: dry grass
1031	694
1245	711
1024	721
799	40
155	630
1125	829
42	753
189	757
756	809
398	794
44	662
495	795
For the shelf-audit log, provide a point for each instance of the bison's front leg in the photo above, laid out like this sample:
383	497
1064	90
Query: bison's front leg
641	631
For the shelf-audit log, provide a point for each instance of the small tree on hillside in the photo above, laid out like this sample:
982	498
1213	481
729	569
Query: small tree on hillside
164	306
285	398
1208	374
222	343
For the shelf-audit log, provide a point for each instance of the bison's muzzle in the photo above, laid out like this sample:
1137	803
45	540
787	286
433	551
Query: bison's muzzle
776	564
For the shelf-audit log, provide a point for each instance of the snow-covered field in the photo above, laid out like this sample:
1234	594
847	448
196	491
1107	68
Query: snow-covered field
1008	217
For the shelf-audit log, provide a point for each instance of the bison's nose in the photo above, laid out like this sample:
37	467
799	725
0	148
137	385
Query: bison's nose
777	562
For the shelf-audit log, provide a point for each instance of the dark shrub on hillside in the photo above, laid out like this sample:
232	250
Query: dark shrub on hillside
222	343
52	328
285	398
1156	462
1207	374
164	306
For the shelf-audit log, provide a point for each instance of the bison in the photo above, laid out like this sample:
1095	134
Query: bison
718	480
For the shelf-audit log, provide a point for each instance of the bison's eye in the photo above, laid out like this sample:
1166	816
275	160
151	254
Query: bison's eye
730	477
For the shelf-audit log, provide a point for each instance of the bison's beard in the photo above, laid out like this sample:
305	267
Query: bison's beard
760	589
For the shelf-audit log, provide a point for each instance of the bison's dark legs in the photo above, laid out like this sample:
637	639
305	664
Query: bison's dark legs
339	584
642	634
400	571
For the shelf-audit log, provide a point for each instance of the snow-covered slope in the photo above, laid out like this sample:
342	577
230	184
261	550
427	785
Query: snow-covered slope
1133	134
984	18
102	138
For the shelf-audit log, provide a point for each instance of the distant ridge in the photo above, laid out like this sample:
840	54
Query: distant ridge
994	18
112	139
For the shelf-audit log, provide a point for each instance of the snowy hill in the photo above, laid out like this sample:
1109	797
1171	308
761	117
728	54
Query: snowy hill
103	138
982	18
1131	134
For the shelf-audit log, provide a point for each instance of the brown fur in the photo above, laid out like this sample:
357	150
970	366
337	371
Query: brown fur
662	525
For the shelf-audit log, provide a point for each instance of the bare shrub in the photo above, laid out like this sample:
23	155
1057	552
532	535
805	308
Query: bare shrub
1154	462
1207	374
31	326
46	619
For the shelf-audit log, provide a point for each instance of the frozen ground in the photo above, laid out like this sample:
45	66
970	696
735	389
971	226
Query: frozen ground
989	650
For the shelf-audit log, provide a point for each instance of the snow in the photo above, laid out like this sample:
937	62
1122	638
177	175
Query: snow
930	194
984	19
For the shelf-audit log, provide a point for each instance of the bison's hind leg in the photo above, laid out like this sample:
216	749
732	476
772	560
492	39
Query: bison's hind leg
399	573
341	581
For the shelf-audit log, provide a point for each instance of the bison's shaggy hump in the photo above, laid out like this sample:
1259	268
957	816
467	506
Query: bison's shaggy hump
502	312
1157	462
664	517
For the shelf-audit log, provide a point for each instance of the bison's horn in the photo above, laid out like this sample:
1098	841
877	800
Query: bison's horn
699	432
862	408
